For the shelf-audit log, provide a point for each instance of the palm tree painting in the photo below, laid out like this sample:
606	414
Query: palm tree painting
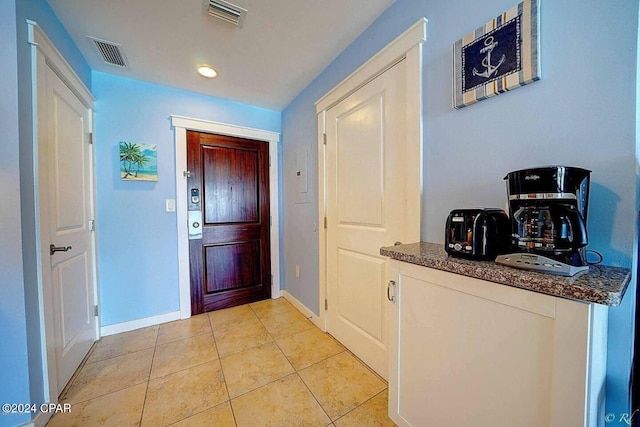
138	162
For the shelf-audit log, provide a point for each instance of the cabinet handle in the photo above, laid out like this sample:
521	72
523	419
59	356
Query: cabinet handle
391	284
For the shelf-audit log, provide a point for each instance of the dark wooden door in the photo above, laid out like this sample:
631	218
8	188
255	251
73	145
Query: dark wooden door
231	263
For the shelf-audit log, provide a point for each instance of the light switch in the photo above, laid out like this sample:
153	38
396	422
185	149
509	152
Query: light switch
297	271
170	205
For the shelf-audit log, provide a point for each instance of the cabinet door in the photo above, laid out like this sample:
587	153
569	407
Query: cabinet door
468	352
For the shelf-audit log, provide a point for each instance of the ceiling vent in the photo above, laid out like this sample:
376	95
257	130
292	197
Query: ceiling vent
111	53
226	11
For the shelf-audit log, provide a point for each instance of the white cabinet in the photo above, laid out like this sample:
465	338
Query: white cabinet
467	352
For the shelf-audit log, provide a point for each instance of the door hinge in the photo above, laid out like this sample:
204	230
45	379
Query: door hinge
326	304
92	225
95	310
324	139
325	222
271	280
90	137
269	160
270	221
187	174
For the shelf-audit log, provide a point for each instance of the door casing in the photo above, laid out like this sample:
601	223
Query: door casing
408	46
43	54
181	125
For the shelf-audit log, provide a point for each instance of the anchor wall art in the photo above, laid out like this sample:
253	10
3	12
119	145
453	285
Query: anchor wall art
501	55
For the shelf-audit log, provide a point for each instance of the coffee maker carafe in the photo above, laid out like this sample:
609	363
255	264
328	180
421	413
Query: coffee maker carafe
548	212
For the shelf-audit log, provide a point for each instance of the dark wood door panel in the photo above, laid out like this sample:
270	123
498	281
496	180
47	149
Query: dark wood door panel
231	193
231	263
232	266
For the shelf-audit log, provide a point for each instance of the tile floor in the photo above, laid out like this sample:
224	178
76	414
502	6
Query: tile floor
261	364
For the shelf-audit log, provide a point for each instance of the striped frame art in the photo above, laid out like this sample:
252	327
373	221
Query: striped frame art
500	56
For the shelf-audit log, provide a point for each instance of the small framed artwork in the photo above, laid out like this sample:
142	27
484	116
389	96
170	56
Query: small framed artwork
138	162
502	55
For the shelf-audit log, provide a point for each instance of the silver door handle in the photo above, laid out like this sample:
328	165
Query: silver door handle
53	249
195	225
390	297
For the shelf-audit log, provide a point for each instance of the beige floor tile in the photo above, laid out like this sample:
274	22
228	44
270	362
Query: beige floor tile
308	347
271	307
124	343
180	329
341	383
285	324
106	376
240	337
222	319
183	354
179	395
220	416
286	402
250	369
188	388
372	413
120	408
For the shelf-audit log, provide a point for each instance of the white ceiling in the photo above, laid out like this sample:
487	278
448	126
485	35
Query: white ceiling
282	46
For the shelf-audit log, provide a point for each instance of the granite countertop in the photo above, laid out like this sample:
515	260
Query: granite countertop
600	284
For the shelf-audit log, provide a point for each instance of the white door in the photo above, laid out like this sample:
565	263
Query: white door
66	209
366	199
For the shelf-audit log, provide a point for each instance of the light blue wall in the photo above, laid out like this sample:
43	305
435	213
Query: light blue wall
581	113
20	352
14	374
137	241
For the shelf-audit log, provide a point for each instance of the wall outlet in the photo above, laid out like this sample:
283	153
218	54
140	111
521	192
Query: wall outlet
297	271
170	205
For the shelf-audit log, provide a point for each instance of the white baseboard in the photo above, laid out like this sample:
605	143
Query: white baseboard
303	309
139	323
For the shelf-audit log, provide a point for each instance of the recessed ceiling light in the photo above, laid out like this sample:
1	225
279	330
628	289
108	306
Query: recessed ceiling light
207	71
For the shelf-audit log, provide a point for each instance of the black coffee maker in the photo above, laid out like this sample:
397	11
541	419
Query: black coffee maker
548	212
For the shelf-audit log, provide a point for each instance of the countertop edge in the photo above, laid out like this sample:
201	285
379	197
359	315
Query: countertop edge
521	279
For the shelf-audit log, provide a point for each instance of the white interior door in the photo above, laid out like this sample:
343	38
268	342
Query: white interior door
366	199
66	209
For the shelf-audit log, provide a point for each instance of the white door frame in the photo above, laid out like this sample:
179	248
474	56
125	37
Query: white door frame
181	125
43	54
407	46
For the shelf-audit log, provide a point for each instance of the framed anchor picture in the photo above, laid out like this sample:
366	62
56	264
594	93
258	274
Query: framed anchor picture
500	56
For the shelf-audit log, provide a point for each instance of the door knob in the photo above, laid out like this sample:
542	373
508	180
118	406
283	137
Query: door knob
53	249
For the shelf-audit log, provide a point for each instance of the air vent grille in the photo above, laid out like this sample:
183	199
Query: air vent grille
111	53
226	11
